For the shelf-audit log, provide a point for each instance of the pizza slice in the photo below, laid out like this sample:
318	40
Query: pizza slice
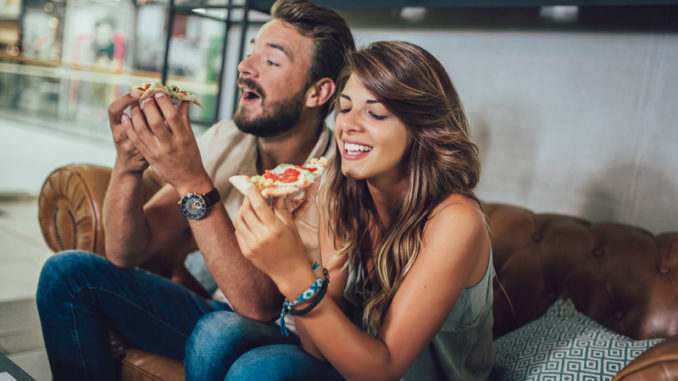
148	90
282	180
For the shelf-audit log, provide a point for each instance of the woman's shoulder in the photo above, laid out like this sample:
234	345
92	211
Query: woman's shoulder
459	216
457	235
457	207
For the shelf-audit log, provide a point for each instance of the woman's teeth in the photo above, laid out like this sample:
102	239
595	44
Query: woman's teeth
352	147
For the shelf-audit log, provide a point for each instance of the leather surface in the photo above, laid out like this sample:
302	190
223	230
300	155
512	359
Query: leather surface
659	363
139	365
621	276
71	202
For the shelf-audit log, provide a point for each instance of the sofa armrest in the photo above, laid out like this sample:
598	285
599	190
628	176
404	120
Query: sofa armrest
659	363
70	206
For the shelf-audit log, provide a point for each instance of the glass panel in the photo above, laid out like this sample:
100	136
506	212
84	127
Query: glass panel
76	57
195	58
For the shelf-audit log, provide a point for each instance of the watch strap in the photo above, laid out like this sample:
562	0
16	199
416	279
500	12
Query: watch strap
211	197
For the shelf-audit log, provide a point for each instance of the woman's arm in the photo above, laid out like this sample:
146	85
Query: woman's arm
444	268
428	293
335	291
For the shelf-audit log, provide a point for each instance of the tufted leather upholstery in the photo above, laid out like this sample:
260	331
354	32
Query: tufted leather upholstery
621	276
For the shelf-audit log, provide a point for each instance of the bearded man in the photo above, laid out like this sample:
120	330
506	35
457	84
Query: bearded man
287	83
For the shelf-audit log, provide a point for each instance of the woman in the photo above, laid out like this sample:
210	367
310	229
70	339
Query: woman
404	239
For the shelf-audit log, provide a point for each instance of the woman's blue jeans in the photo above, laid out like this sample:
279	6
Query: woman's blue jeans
228	346
81	296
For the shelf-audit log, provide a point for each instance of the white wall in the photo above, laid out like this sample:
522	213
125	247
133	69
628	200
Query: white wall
580	122
29	153
575	122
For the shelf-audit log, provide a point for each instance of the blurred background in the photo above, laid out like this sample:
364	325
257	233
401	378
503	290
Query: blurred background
573	104
62	62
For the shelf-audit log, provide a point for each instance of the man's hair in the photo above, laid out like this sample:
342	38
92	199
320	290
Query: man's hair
332	38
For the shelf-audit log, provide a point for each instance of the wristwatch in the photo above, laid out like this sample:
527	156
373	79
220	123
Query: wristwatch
194	206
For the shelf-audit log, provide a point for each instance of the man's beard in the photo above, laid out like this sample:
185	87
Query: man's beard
280	117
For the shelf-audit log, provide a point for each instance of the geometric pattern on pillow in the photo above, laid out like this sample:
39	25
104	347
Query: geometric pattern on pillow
564	345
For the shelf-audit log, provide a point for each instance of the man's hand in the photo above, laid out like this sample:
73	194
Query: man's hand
129	158
162	132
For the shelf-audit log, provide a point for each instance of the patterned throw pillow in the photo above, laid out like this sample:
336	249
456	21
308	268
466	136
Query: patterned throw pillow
564	345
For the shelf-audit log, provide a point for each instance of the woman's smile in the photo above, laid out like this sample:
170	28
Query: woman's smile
354	151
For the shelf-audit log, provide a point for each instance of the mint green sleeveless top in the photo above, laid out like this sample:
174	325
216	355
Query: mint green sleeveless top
463	349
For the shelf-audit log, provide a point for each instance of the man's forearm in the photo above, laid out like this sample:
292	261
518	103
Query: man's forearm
124	224
251	292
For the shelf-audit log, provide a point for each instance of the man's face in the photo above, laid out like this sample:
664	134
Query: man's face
273	80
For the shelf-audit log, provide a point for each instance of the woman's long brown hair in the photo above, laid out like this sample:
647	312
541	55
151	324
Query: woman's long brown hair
441	160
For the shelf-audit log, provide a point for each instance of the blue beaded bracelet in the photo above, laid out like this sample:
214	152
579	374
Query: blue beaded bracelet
317	289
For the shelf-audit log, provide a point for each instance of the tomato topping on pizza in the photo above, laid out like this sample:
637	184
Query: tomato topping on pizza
283	179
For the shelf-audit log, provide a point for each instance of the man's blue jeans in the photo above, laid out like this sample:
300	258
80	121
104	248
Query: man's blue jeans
228	346
81	296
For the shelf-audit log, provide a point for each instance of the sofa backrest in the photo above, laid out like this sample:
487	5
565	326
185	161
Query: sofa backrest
621	276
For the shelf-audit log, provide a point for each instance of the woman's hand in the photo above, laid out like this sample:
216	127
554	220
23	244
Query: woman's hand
268	237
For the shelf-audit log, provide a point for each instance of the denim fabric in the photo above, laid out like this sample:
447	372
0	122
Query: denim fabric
81	296
228	346
195	264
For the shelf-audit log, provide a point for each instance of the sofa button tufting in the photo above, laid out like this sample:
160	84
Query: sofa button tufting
598	253
664	269
536	237
618	315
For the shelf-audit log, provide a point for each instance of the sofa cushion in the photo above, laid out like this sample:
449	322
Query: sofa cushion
564	344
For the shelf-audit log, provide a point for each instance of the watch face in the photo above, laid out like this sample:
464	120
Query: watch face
193	206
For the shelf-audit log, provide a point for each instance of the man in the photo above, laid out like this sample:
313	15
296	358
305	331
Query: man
287	83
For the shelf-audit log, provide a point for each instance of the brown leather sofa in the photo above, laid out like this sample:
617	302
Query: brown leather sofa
621	276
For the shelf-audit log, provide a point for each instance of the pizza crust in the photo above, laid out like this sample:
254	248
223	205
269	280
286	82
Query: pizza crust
243	183
279	191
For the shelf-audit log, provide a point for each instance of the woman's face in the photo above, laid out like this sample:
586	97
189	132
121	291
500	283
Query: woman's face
372	141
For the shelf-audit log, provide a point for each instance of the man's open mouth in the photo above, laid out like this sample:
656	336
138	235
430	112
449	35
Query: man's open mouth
250	90
249	95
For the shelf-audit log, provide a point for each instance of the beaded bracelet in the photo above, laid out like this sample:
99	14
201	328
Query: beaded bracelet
317	289
316	300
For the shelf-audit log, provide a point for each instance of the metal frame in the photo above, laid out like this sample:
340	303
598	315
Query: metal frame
172	11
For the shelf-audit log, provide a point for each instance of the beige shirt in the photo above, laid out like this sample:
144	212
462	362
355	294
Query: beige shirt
226	151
